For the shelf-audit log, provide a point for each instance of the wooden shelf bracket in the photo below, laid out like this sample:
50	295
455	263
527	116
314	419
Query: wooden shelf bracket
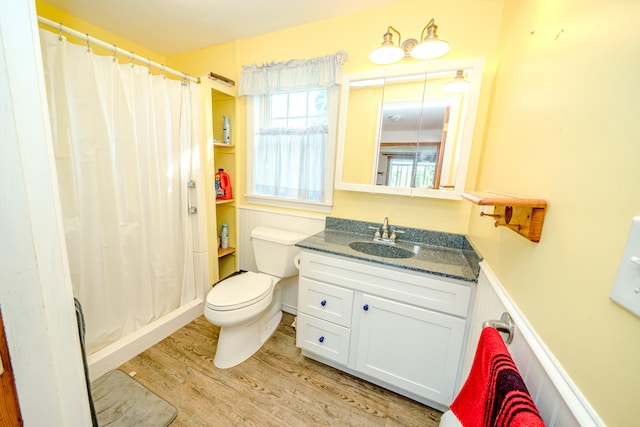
522	215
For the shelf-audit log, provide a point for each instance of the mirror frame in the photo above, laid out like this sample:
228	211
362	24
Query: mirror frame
467	126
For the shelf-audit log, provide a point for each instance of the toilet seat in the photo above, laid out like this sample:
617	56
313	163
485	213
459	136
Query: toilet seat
239	291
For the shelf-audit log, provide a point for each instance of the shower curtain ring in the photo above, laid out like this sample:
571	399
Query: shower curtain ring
149	65
115	53
88	44
132	59
60	33
164	72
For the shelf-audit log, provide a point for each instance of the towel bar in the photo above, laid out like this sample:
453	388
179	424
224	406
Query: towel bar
504	325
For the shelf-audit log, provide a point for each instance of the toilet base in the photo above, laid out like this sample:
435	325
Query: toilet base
238	343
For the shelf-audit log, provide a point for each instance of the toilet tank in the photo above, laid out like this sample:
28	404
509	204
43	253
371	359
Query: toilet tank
275	249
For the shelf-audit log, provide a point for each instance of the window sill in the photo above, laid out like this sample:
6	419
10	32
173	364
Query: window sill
291	204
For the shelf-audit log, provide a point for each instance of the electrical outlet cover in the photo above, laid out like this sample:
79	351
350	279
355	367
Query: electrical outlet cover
626	287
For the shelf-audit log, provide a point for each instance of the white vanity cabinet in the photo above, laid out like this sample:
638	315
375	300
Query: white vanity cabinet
402	330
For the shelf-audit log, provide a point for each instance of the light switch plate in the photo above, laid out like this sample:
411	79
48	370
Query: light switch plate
626	287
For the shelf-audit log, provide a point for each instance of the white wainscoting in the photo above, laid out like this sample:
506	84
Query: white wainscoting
250	218
558	399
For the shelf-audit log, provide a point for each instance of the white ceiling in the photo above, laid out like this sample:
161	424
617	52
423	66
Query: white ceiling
170	27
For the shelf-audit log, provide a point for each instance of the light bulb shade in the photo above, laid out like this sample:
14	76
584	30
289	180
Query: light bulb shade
386	55
430	49
430	46
458	84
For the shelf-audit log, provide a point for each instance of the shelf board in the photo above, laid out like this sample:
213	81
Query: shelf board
221	144
226	251
523	215
498	199
224	201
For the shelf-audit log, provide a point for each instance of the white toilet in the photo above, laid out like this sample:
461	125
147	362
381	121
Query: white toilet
247	307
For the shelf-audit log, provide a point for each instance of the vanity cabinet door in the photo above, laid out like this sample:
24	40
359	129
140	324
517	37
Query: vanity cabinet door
409	347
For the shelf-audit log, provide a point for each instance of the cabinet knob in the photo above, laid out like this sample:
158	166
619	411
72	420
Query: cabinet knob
323	302
321	339
365	307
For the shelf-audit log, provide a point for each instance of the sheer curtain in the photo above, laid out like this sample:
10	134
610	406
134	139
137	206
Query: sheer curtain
292	162
123	144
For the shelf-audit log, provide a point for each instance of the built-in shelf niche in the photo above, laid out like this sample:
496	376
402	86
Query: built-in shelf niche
521	214
219	100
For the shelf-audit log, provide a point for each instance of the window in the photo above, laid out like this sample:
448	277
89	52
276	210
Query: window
290	149
292	117
300	110
401	172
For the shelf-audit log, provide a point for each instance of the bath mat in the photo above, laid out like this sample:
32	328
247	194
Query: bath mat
121	401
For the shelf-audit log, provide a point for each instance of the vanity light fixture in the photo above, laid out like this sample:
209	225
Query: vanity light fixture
429	46
458	84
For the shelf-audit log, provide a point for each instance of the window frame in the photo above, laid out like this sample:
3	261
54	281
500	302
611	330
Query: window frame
415	166
274	201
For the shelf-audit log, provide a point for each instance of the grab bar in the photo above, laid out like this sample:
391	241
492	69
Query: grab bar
505	324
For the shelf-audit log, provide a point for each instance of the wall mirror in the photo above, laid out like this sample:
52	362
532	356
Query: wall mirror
408	130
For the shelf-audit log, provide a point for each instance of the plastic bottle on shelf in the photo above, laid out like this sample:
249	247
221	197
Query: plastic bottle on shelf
226	130
224	236
223	185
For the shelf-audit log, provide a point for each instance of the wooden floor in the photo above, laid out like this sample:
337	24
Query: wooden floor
276	387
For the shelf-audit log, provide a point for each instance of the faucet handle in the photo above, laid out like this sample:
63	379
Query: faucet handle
377	233
393	234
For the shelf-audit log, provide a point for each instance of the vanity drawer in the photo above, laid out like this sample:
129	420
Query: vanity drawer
325	301
323	338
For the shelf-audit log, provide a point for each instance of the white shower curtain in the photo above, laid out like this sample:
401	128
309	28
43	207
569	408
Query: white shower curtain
125	149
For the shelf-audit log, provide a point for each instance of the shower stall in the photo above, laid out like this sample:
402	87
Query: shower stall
128	163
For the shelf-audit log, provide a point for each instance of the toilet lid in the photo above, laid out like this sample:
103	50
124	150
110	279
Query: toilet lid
239	291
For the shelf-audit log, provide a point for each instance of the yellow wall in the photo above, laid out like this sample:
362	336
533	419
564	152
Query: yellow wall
68	20
358	34
557	120
363	122
564	127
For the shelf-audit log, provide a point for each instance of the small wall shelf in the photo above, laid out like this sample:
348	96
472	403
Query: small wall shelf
224	201
520	214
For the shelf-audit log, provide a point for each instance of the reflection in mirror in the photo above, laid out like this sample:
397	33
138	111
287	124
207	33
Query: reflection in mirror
403	131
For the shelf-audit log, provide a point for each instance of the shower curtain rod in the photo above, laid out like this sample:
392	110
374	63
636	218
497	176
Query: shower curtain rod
91	40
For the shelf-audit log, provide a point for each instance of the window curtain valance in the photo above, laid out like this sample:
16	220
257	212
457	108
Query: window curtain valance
297	74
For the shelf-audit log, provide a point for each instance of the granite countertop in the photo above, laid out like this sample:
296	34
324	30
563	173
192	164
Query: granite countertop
442	254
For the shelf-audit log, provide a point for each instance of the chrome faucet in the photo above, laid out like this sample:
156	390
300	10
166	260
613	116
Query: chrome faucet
385	228
385	237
